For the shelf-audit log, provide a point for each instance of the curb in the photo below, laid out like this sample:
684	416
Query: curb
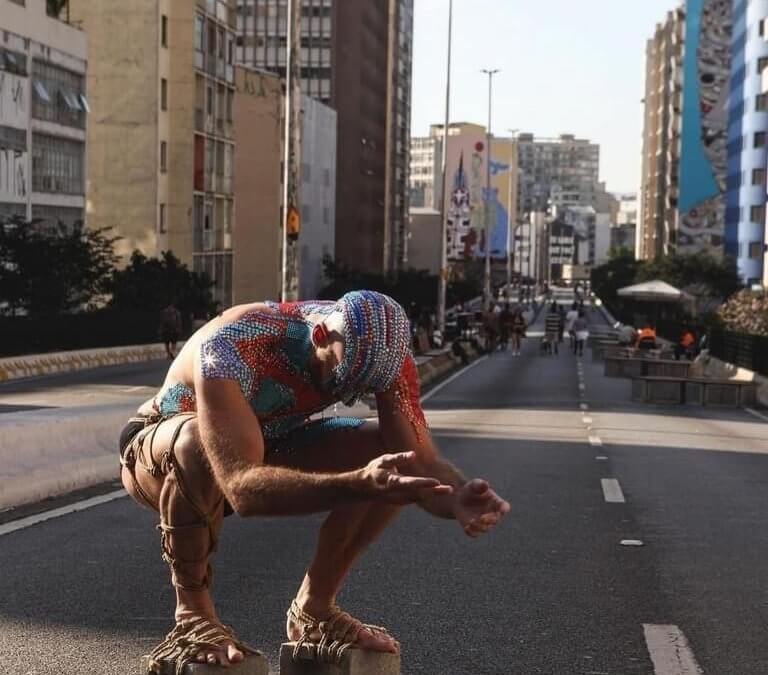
16	367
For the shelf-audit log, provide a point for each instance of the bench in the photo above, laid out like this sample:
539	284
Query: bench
615	350
694	391
624	366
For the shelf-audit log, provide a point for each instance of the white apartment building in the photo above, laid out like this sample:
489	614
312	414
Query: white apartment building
43	113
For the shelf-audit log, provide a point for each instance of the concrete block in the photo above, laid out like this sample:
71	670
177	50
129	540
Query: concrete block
256	664
354	662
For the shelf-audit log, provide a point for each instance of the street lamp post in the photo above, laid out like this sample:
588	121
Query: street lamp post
511	219
443	281
487	296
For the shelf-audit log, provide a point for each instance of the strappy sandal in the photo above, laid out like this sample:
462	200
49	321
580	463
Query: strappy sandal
327	640
189	638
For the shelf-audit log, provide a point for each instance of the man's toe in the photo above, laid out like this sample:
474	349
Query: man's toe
234	654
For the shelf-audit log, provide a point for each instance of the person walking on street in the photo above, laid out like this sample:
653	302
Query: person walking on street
505	326
552	330
519	327
580	333
170	329
570	319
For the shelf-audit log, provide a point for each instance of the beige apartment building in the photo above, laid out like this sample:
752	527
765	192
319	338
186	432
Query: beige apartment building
657	222
161	136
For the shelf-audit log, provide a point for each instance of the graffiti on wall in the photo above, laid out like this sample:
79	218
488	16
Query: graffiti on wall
703	164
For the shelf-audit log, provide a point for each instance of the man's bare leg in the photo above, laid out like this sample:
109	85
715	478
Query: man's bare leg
347	531
191	544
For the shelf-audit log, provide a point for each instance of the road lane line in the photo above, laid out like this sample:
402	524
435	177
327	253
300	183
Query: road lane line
583	406
62	511
754	413
601	458
670	652
595	440
587	420
433	391
612	491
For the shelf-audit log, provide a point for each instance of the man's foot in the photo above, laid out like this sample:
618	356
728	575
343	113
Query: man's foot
227	652
317	618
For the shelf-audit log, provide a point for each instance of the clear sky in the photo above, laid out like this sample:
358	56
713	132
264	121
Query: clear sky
567	66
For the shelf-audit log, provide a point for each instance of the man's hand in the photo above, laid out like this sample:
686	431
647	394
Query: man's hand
478	508
383	481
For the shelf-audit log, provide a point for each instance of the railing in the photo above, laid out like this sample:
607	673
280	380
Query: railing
741	349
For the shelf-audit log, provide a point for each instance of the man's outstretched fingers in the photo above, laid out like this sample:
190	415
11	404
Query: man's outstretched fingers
397	459
396	480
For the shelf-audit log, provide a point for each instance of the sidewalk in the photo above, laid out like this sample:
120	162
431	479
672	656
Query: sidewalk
58	434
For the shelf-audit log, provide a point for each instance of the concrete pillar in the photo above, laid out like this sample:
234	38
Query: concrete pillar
354	662
255	664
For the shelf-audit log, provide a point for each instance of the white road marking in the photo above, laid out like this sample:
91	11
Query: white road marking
631	542
601	458
754	413
670	652
62	511
582	386
432	392
595	440
583	406
612	491
587	420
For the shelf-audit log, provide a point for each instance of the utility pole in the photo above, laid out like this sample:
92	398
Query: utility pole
292	157
442	291
487	293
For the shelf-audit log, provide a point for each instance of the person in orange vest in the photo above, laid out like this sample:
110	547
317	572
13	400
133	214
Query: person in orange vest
646	337
686	345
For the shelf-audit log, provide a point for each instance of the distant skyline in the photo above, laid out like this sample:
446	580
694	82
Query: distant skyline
566	67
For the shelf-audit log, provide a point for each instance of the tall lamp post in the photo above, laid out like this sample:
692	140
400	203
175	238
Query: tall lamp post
487	296
511	218
442	291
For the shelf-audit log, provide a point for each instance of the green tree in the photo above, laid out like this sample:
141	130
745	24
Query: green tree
621	270
699	274
150	284
53	271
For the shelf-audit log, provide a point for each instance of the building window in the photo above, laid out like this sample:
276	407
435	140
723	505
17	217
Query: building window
164	30
13	62
59	95
161	220
762	62
163	94
163	156
756	249
760	137
757	214
761	28
209	100
761	102
57	165
326	215
758	177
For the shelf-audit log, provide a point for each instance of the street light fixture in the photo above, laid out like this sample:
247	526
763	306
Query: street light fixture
487	296
442	291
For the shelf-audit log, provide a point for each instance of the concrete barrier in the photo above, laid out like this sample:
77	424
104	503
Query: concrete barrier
715	368
15	367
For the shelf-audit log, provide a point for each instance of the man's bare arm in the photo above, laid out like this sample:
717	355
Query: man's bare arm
234	445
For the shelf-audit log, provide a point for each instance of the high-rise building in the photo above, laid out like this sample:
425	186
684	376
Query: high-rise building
556	172
426	172
355	56
684	138
745	233
43	115
161	140
661	133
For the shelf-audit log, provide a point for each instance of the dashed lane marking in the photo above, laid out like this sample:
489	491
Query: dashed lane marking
612	491
595	441
670	652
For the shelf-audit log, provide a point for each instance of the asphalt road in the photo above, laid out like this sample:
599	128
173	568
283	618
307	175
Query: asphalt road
551	591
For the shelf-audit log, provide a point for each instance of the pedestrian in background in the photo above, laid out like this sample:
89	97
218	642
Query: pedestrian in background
505	327
580	333
552	330
170	329
519	327
570	319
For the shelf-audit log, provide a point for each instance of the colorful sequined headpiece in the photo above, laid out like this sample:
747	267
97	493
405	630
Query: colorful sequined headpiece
377	339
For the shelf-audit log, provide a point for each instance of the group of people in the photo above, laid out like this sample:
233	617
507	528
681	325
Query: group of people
558	322
502	325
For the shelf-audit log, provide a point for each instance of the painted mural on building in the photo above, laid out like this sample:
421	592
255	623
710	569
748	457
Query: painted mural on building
14	158
468	197
703	162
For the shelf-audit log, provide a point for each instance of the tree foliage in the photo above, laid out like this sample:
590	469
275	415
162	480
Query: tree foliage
150	284
53	270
